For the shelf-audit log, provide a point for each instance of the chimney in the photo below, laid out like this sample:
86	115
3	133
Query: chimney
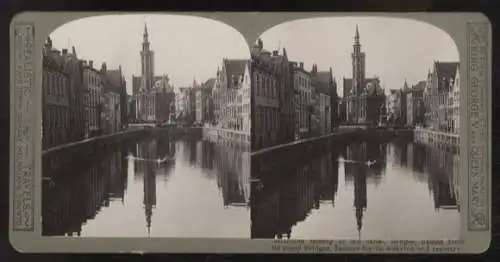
301	65
64	51
103	67
275	53
84	62
91	63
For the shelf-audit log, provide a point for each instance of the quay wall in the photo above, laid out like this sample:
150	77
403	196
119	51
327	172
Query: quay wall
86	151
443	141
212	134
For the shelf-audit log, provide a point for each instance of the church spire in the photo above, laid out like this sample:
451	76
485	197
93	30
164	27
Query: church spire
145	35
357	44
356	37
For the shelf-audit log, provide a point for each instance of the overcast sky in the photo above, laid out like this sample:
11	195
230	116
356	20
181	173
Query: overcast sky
191	47
185	47
396	49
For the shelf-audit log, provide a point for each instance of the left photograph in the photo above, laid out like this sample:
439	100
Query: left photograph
146	128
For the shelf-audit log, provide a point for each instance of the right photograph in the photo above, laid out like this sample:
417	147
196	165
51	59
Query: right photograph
355	131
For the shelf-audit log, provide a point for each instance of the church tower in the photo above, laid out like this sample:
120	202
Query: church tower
147	62
358	73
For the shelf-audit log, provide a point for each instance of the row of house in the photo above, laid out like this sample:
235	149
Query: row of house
79	100
265	101
432	103
289	102
193	104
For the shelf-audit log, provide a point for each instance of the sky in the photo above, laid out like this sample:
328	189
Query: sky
188	48
185	47
396	49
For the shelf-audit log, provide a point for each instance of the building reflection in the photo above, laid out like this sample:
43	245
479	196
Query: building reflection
278	206
438	168
77	193
232	165
207	155
75	198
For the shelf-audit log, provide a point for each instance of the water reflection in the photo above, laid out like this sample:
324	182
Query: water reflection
157	188
399	190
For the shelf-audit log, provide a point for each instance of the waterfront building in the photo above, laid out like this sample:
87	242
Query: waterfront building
154	96
114	89
273	118
63	109
324	87
204	104
391	105
454	103
74	68
286	114
414	104
164	100
191	102
218	84
363	97
401	105
437	91
232	96
180	102
55	98
303	96
186	104
93	99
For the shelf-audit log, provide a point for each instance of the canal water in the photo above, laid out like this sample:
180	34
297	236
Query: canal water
193	188
396	190
153	188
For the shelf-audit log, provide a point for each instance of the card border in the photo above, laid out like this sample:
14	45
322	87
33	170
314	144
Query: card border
476	238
